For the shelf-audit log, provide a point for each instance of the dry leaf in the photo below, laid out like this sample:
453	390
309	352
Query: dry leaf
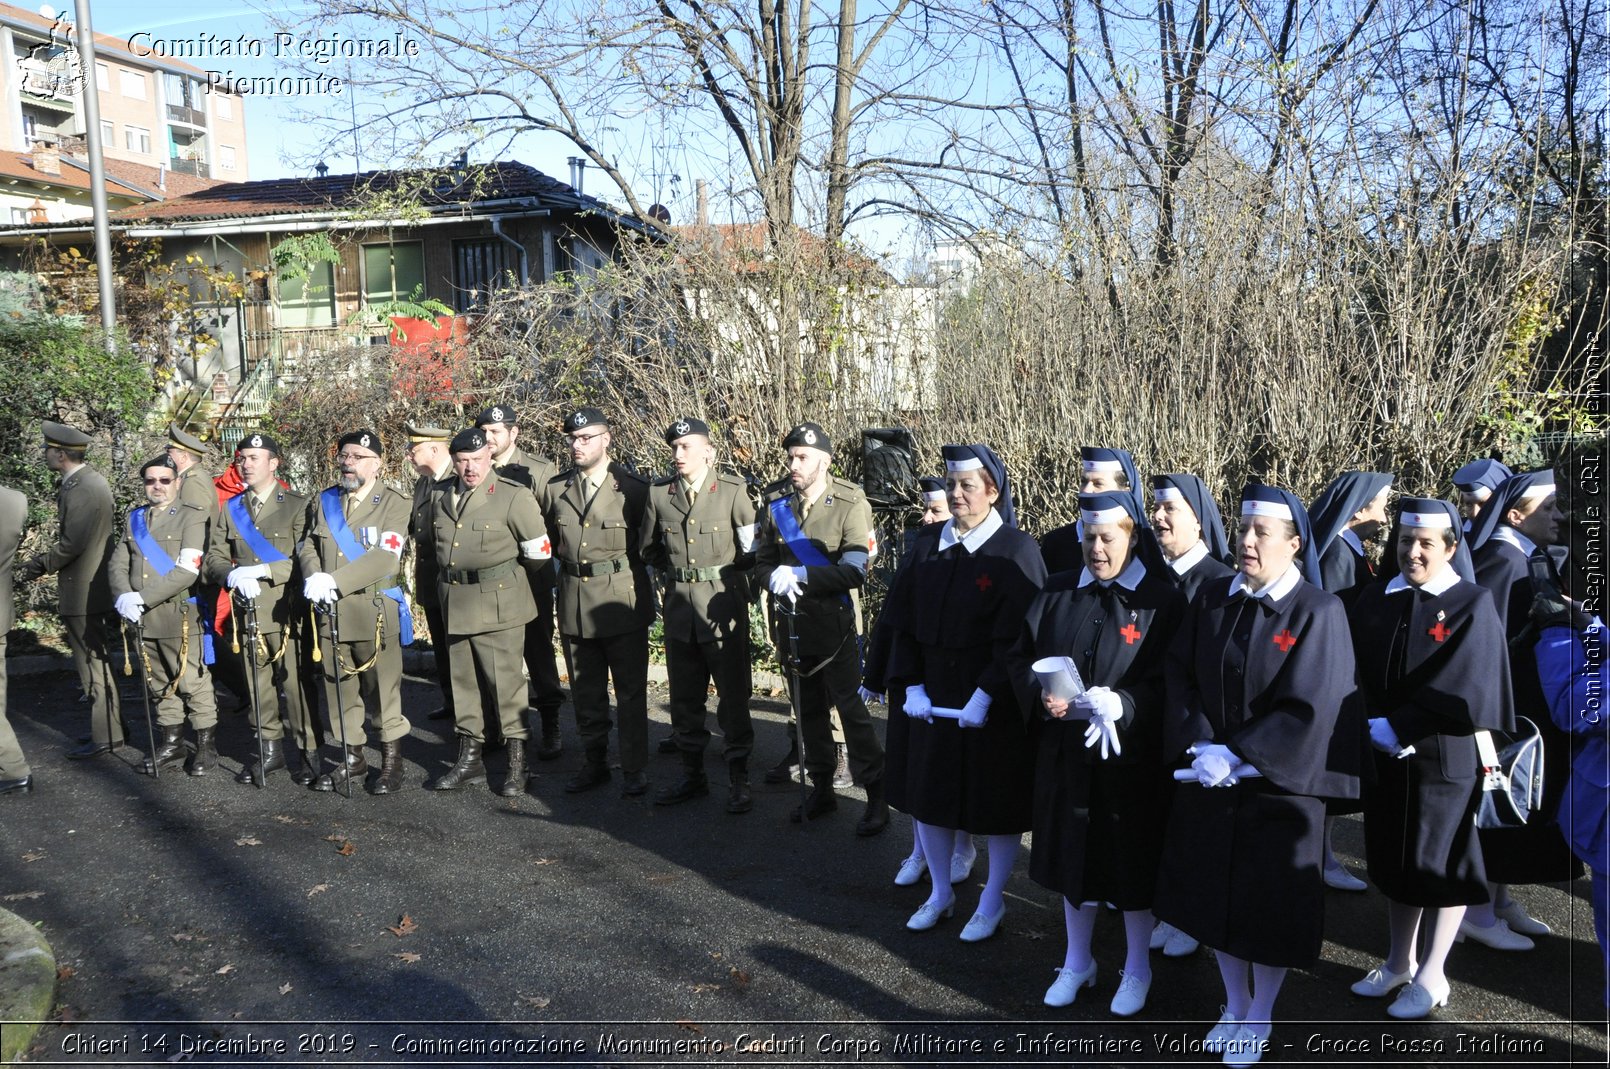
249	840
285	989
67	1015
318	889
545	861
335	837
181	937
347	849
408	957
225	971
34	856
406	926
739	976
715	955
22	895
689	1026
699	989
64	972
536	1001
283	819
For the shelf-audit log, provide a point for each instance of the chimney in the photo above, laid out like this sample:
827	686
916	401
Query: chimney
47	158
702	192
162	177
578	171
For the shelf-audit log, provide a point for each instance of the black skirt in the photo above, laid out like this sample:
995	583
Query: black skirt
978	780
1420	828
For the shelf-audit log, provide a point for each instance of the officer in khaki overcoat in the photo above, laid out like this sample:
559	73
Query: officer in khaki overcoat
428	455
487	531
699	535
595	517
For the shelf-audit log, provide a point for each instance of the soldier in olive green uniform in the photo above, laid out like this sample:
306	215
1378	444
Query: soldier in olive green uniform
15	775
595	516
356	532
487	530
251	553
811	553
699	533
197	488
547	695
153	571
427	453
84	539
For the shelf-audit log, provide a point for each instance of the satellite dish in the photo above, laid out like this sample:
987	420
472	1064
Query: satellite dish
46	11
660	214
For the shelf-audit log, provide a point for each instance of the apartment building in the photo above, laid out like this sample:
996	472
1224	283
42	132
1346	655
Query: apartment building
155	111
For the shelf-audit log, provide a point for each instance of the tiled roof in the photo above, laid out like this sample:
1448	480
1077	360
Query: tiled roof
434	189
20	165
145	177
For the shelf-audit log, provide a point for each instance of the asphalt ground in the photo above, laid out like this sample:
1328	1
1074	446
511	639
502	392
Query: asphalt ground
196	919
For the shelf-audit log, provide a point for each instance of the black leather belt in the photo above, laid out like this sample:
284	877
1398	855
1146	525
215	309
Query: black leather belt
461	576
597	568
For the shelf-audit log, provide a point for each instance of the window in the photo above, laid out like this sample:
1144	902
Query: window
226	157
308	302
226	108
137	139
103	80
393	272
108	134
132	84
479	267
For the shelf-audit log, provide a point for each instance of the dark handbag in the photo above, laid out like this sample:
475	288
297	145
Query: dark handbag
1512	775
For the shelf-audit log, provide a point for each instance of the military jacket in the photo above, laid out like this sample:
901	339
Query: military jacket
83	540
282	521
380	524
704	551
181	530
603	584
498	530
13	521
840	527
534	472
196	488
419	529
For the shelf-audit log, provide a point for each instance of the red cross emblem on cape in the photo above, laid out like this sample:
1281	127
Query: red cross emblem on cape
983	583
1285	640
1131	633
1439	632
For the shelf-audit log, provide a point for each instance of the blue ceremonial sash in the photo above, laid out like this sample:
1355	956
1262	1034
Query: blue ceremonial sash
250	534
352	549
803	548
152	551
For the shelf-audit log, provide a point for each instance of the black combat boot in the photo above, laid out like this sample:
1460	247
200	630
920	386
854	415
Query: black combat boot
257	767
739	800
170	748
468	768
205	759
783	770
550	745
352	766
391	768
876	817
820	802
514	784
693	785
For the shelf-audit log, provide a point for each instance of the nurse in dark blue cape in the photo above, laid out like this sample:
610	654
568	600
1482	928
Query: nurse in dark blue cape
1100	785
955	609
1433	668
935	509
1475	483
1189	531
1512	536
1100	470
1259	681
1347	514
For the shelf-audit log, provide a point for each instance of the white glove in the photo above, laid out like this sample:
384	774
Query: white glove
1382	737
870	697
784	583
917	703
319	587
800	576
1213	749
1103	702
976	711
246	580
130	606
1213	770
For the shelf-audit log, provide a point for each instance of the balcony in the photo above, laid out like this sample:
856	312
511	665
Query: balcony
198	168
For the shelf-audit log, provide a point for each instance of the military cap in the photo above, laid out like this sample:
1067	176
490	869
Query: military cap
684	427
809	434
364	439
61	436
161	461
584	417
417	435
259	440
468	440
496	414
178	436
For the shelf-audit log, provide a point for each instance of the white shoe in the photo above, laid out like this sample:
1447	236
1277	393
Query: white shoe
1131	996
1417	1001
1067	985
1179	945
1382	981
961	866
1246	1047
1339	879
1499	937
1514	914
980	927
911	870
1160	934
1221	1033
930	914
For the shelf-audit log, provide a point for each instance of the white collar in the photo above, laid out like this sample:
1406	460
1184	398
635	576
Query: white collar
1350	536
1440	585
1509	534
1190	558
1275	591
972	539
1129	578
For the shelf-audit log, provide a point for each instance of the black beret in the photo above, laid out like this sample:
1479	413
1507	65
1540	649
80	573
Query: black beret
684	427
163	461
362	439
584	417
468	440
259	440
810	434
496	414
